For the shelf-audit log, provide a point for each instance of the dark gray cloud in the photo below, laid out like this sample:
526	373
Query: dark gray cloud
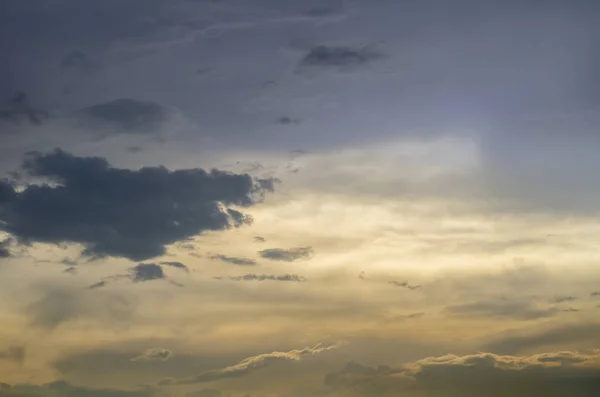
99	284
65	389
522	310
18	111
147	272
234	260
120	212
4	248
402	284
263	277
286	120
125	115
250	364
177	265
154	354
14	353
287	255
340	56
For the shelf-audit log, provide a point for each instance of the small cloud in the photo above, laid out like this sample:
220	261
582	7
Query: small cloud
263	277
570	310
147	272
285	120
13	353
287	255
362	275
234	261
4	245
177	265
69	262
133	149
562	299
595	294
97	285
259	239
502	309
404	285
325	56
71	270
155	354
321	12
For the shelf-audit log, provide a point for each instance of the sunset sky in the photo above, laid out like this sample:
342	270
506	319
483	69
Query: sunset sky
299	198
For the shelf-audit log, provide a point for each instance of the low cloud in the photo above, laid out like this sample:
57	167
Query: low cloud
287	255
155	354
234	261
559	374
65	389
263	277
147	272
251	364
117	212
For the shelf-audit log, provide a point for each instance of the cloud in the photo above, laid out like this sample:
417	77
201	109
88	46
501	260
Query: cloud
561	299
402	284
285	120
18	110
595	293
259	239
13	353
155	354
287	255
65	389
558	374
60	305
147	272
251	364
99	284
518	341
78	61
263	277
177	265
4	244
340	56
503	309
234	261
117	212
125	115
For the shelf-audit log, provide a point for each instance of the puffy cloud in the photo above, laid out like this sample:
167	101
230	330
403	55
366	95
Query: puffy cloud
234	261
155	354
287	255
147	272
251	364
484	374
120	212
262	277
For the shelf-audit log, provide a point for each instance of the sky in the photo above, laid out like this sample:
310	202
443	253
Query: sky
299	198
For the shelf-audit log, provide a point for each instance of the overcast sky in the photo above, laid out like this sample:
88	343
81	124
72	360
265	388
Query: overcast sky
299	198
